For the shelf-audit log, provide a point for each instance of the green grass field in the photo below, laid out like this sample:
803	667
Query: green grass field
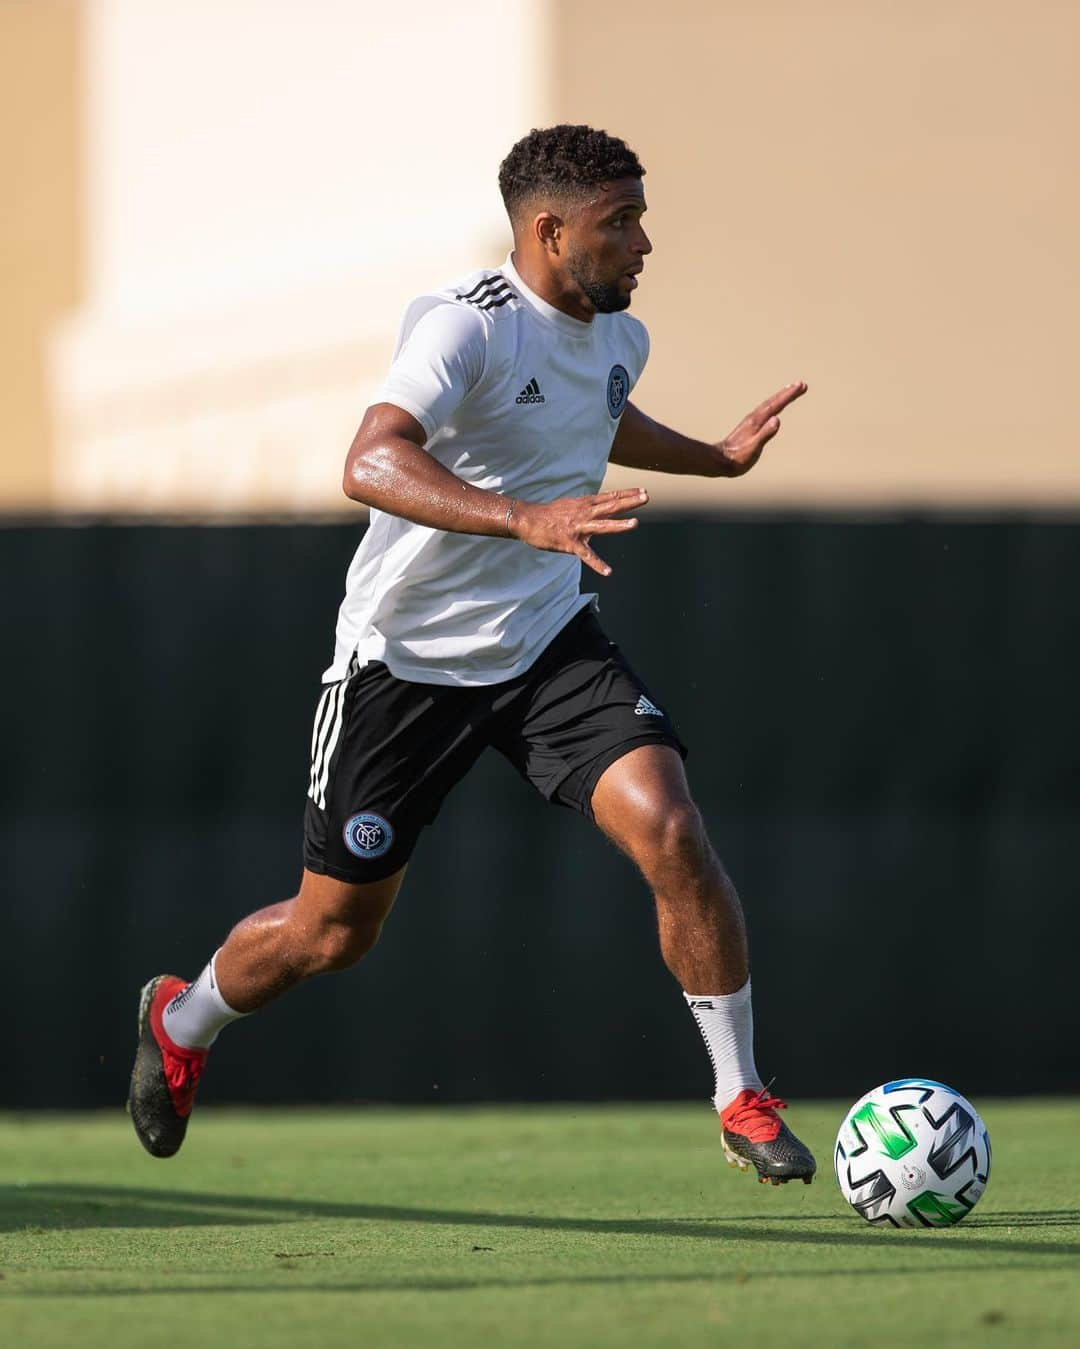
554	1226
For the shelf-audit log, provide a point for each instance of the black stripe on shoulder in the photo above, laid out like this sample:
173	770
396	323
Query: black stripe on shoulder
495	301
492	294
495	279
483	301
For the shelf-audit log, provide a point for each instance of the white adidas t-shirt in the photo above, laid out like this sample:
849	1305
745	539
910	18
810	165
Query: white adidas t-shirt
516	397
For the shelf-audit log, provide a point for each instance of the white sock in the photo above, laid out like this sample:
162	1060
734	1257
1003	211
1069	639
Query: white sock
194	1017
726	1022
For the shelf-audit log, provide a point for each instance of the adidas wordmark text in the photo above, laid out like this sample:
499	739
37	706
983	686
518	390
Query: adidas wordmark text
531	394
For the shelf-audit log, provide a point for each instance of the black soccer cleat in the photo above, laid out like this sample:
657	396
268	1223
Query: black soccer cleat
754	1134
165	1075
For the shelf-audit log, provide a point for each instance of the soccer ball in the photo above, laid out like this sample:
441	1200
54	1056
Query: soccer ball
912	1153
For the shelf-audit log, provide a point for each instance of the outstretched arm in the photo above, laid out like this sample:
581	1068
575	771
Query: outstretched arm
641	442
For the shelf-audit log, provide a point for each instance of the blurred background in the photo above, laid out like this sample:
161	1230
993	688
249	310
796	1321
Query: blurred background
214	214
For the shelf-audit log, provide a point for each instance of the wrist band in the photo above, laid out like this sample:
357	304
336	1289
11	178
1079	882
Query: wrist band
509	513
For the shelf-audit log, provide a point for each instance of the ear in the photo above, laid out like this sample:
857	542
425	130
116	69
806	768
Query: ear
548	230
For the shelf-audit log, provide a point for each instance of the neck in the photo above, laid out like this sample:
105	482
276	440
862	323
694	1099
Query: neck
559	291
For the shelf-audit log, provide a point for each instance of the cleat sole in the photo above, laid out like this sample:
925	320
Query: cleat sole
157	1126
146	997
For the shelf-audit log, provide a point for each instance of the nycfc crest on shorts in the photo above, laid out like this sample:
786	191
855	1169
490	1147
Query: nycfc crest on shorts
367	835
618	390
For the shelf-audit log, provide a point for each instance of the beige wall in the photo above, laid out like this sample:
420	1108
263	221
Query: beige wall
40	265
883	199
267	182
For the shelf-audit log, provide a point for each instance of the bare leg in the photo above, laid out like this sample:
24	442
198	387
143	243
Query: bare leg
328	926
643	804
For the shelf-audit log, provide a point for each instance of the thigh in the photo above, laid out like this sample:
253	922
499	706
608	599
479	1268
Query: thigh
385	752
582	709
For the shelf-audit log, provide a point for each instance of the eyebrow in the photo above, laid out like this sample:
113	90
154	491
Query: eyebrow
638	206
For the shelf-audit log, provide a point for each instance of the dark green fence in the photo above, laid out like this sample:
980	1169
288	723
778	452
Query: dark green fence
884	738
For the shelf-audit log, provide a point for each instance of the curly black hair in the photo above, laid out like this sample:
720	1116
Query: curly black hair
564	160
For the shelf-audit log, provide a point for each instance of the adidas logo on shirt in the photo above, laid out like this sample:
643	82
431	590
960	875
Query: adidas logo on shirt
530	394
645	708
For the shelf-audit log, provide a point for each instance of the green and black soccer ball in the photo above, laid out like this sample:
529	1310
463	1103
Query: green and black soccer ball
912	1153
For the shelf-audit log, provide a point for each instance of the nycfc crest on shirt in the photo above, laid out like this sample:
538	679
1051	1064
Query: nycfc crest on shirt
618	390
367	835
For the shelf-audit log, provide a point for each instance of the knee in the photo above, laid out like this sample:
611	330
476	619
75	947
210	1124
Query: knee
336	946
674	842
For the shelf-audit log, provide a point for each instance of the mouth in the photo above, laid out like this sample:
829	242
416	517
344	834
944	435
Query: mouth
630	276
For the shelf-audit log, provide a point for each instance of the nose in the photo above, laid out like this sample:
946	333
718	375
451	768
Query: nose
643	244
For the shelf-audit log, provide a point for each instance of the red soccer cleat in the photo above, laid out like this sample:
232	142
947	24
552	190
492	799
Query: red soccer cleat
754	1132
165	1075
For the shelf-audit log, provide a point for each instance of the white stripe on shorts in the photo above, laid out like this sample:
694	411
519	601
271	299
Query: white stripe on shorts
316	725
331	744
325	732
318	731
330	717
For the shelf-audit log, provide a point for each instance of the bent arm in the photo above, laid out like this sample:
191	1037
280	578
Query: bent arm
387	467
641	442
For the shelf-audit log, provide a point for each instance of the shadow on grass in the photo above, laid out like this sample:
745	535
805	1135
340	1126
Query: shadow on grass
49	1208
179	1288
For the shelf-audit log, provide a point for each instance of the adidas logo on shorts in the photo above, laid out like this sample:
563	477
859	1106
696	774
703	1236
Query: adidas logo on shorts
531	393
645	708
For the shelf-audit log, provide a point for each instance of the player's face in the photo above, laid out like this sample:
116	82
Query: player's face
606	245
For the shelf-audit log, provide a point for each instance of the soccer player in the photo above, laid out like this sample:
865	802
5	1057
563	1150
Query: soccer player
463	626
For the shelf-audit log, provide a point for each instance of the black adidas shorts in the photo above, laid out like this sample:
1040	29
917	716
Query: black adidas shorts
385	751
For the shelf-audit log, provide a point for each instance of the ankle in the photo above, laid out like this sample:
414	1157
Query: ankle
193	1019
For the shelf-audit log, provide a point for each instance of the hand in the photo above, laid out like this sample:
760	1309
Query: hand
567	525
741	450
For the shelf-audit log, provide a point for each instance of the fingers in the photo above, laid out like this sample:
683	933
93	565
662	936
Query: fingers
606	506
592	560
613	503
567	525
780	400
587	555
611	526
